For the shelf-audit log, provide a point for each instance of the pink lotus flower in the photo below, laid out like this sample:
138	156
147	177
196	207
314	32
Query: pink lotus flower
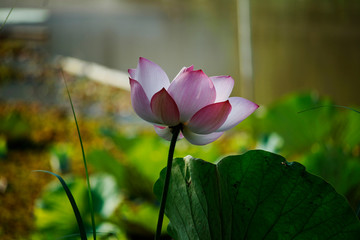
201	104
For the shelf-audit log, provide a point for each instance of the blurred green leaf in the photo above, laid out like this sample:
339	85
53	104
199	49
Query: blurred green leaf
256	195
138	147
149	155
298	130
334	165
351	131
53	213
52	203
106	194
137	151
15	125
3	146
103	161
60	157
109	231
123	141
140	217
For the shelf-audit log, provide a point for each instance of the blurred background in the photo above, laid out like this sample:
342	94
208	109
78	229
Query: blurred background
287	56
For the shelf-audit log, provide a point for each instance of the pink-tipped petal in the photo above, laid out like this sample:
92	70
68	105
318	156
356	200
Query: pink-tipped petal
164	108
132	73
184	70
200	139
209	118
140	102
223	86
151	77
241	109
192	91
165	133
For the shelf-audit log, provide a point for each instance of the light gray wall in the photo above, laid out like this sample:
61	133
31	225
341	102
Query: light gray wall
117	36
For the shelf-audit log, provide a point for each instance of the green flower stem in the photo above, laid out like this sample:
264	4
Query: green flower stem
175	132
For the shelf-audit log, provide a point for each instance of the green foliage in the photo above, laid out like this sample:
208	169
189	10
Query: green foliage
140	217
72	202
339	168
256	195
60	157
14	125
325	138
298	130
3	148
104	161
350	129
131	164
54	218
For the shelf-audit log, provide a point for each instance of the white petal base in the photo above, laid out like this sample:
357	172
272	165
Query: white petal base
200	139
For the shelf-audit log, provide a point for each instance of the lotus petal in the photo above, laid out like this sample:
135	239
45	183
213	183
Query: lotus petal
151	76
141	103
209	118
223	86
164	108
241	109
192	91
200	139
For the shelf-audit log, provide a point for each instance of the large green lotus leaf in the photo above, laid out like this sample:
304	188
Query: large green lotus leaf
257	195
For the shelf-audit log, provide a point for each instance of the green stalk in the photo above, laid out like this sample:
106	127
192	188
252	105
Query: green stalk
83	154
336	106
175	132
7	17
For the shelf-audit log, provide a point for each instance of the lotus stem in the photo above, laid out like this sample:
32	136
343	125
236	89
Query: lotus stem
175	132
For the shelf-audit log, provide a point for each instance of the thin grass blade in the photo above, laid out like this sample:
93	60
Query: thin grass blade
72	202
85	164
7	17
336	106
